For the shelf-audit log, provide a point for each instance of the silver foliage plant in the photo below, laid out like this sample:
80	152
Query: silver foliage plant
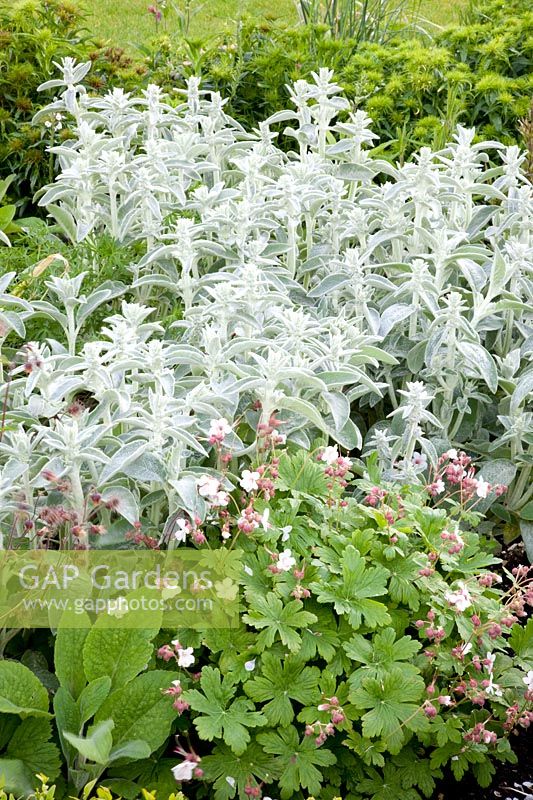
322	285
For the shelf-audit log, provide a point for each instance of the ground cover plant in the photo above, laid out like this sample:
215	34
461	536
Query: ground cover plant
272	310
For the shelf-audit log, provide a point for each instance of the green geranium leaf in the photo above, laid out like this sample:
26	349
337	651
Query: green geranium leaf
31	745
299	761
279	683
277	619
221	716
350	594
380	654
393	703
230	773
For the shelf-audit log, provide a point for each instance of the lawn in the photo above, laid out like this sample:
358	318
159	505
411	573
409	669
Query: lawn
127	22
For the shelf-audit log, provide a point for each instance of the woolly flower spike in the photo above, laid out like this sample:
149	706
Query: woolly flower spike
285	561
249	480
461	599
330	455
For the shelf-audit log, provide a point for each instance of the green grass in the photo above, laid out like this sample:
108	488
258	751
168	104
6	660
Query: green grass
127	22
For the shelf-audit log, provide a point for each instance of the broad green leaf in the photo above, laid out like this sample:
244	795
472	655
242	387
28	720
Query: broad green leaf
299	473
92	697
521	641
31	744
380	654
120	653
15	777
96	746
222	764
21	692
67	655
394	703
67	719
350	594
140	710
135	749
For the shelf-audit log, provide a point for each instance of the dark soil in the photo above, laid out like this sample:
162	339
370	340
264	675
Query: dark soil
511	782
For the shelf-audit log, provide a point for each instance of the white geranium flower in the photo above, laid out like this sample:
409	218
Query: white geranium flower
185	657
208	486
219	427
330	455
419	460
184	771
249	480
461	599
482	487
528	680
221	498
285	561
493	688
182	529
